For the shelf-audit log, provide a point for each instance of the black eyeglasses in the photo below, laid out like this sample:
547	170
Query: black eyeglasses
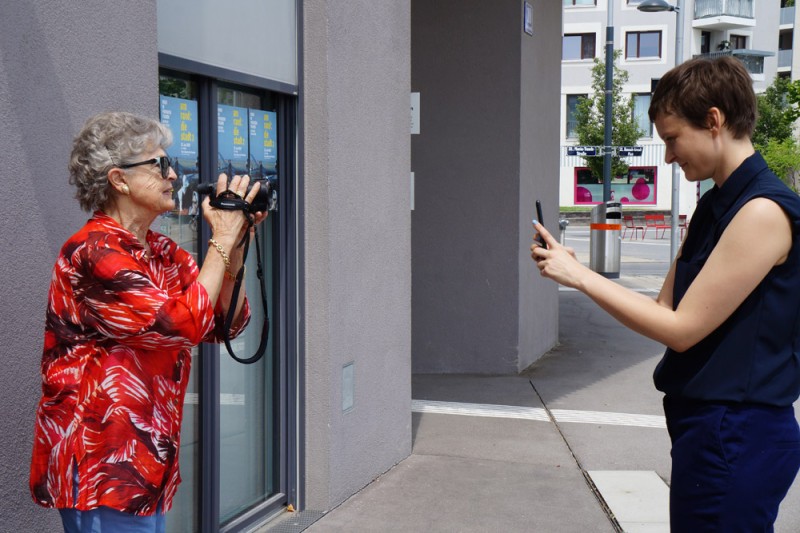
164	164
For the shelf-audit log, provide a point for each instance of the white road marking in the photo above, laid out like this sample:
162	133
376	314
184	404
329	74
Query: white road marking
538	414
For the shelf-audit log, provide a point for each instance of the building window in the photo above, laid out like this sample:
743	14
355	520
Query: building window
567	3
738	42
785	40
638	187
641	103
572	106
705	42
642	44
578	46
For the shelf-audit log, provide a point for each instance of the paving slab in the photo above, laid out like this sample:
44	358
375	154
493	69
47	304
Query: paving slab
638	499
452	494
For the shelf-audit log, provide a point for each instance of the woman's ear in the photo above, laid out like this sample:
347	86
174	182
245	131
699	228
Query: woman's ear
715	120
116	178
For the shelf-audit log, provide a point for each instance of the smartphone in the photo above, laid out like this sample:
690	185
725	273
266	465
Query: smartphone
540	218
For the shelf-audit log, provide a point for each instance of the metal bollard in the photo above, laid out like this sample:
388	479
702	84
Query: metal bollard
562	226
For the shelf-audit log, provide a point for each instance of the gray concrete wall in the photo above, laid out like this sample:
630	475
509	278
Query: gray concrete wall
539	175
474	160
355	135
60	62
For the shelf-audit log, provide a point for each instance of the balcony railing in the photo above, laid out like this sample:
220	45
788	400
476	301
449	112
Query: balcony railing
753	59
785	58
720	8
787	15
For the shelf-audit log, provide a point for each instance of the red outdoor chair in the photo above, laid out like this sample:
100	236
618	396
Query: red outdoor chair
655	221
631	225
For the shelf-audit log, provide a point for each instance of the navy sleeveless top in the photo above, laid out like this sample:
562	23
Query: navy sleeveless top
754	356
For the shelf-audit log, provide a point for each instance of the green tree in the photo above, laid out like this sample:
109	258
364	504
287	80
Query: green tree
776	112
783	158
590	118
773	136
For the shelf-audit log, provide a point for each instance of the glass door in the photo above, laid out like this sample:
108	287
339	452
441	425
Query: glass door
246	126
234	437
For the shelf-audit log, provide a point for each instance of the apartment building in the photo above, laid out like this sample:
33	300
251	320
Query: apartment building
758	32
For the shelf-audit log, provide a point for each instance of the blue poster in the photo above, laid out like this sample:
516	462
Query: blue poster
232	139
180	116
263	143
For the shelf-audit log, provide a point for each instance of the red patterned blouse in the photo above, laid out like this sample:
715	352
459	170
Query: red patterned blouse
115	366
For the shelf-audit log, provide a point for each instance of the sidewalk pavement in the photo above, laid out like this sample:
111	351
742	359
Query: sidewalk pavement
575	444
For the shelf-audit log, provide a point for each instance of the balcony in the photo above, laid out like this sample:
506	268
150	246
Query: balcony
723	14
784	60
753	59
787	16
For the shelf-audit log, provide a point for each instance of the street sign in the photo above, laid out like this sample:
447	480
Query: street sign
627	151
582	150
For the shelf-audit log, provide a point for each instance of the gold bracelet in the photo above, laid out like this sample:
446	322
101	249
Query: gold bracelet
221	250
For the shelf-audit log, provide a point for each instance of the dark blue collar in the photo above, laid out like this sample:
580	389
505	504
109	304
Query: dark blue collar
726	196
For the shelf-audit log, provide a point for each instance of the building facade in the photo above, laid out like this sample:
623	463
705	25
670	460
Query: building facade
390	250
759	33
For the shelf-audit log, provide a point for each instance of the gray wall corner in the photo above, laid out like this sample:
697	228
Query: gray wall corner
355	130
487	148
539	175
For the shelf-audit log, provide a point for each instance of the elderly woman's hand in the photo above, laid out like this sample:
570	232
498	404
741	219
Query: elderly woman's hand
556	262
227	225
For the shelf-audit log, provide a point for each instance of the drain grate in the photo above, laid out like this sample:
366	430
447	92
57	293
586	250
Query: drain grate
292	522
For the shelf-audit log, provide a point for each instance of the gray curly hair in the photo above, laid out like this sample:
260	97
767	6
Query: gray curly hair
108	140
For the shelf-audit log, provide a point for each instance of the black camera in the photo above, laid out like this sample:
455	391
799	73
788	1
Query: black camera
266	198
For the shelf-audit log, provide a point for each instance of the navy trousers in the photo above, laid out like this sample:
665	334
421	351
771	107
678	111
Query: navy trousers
732	465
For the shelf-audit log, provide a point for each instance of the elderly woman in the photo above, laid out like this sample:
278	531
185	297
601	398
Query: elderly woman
126	305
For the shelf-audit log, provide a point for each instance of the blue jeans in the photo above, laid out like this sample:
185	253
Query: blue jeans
107	520
732	465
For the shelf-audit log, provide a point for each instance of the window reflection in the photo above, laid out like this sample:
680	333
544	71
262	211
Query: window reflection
246	139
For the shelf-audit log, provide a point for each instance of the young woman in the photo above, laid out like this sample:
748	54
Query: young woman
728	312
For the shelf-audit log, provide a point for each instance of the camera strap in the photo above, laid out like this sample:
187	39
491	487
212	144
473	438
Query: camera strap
262	347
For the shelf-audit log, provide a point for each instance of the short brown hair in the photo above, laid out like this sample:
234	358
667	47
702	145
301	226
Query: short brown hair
689	90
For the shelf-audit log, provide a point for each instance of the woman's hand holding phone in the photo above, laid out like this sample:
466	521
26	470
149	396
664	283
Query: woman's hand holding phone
554	261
